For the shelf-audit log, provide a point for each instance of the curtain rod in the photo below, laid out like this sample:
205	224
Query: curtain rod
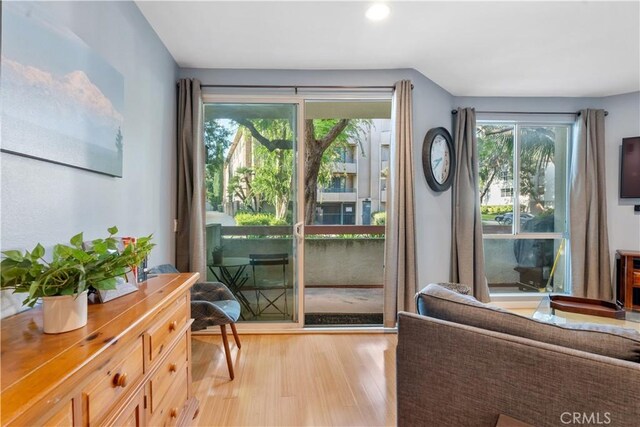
576	113
296	87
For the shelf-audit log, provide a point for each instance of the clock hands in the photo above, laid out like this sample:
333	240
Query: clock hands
438	159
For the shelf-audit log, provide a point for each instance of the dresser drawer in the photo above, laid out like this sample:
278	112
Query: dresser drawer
170	371
64	417
162	334
114	380
168	411
133	414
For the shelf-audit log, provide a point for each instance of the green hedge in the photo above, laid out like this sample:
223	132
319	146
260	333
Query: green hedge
495	209
249	218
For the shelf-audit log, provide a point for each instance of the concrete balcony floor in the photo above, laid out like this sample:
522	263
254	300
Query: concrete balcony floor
332	302
349	300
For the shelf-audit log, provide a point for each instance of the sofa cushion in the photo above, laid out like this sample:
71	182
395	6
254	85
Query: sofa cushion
440	303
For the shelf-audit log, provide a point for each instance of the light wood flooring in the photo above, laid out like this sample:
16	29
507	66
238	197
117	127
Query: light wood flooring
296	380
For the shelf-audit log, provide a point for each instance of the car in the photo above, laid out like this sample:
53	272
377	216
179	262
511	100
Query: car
507	218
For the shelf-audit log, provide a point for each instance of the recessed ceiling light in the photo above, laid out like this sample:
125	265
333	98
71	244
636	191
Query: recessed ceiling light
377	12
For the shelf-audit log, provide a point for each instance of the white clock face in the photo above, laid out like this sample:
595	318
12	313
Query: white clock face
440	159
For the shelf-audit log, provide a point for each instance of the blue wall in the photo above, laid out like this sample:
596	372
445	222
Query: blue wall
48	203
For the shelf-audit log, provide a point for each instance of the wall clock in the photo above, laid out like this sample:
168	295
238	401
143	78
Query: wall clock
438	159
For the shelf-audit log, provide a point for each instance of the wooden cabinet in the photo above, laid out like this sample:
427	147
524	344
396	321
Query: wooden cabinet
133	414
64	417
171	371
628	279
129	366
113	382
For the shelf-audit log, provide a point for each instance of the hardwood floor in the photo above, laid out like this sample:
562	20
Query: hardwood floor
297	380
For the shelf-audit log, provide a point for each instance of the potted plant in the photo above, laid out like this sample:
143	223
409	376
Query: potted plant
63	282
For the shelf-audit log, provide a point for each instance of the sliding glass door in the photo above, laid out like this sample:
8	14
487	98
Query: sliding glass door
251	206
296	208
347	146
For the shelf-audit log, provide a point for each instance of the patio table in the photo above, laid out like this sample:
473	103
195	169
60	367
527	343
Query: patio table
230	271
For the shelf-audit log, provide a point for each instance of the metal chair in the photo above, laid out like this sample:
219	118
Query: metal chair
264	286
212	304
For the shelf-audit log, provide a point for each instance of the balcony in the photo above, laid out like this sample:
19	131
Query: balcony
344	167
349	295
332	194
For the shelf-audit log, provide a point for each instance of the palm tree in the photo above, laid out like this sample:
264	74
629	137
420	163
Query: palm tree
537	150
495	148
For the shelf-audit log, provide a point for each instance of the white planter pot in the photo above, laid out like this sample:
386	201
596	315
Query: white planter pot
64	313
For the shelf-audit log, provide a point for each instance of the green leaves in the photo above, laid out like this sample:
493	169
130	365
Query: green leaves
100	246
113	230
73	268
107	284
33	288
38	252
13	255
77	240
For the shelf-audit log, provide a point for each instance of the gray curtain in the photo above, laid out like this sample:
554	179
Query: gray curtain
590	258
467	253
190	235
400	248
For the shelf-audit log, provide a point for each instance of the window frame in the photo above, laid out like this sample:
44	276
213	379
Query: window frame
516	233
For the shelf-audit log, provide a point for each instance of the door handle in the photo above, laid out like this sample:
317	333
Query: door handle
297	230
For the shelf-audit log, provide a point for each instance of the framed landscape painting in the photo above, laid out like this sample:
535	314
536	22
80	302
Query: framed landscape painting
61	101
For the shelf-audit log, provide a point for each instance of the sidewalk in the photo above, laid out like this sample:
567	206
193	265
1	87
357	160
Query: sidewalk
215	217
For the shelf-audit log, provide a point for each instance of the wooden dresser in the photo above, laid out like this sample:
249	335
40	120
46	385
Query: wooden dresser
129	366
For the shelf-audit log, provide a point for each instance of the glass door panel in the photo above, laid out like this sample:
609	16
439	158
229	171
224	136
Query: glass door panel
346	146
251	206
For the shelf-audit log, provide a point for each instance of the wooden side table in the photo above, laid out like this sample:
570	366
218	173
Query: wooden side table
628	279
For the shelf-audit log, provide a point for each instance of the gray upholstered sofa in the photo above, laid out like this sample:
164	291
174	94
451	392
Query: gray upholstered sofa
462	363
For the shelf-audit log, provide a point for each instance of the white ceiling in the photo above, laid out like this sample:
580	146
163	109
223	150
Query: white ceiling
573	48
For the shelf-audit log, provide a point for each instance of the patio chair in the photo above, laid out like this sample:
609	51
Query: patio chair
212	304
270	290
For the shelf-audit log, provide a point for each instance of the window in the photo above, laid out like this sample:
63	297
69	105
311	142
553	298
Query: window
505	176
338	184
384	153
506	192
345	155
523	197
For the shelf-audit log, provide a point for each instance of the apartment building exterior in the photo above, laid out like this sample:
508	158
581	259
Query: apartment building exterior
358	186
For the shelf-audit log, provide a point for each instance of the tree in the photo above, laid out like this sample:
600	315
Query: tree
119	145
216	141
319	135
495	150
240	186
537	149
273	178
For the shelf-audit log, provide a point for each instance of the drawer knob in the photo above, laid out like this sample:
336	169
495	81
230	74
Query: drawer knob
174	413
120	380
173	325
173	367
